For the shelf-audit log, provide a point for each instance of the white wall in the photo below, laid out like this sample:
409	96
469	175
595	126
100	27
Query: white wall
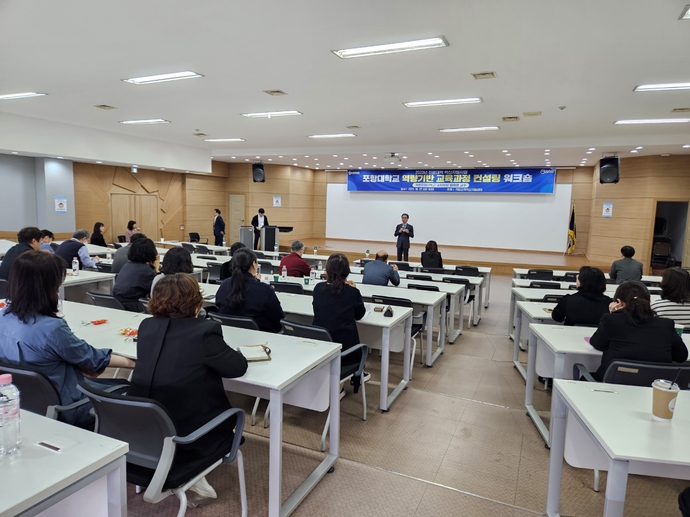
54	178
536	222
18	188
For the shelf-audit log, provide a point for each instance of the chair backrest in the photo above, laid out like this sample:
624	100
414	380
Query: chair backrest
288	287
422	287
188	247
266	266
116	245
142	423
194	237
281	255
37	392
207	257
545	285
437	270
540	274
572	287
259	254
419	277
105	300
200	248
121	238
466	271
214	272
390	300
290	328
104	268
456	280
661	249
402	266
54	245
570	277
225	270
3	288
552	298
145	304
241	322
635	373
365	260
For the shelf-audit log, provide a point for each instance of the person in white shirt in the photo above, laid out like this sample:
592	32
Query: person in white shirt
675	297
259	221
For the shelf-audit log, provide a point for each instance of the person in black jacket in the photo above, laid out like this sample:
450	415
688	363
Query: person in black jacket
586	306
244	295
181	363
404	232
97	235
633	332
259	221
28	239
432	257
218	228
136	276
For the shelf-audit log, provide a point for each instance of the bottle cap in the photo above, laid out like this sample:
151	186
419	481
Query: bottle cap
5	378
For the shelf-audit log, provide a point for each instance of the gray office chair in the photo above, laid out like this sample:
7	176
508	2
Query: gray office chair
241	322
54	246
466	271
121	238
106	300
266	267
417	328
201	249
195	237
259	254
188	247
207	257
469	296
419	277
545	285
434	270
145	304
570	277
347	371
636	373
152	437
3	289
104	268
402	266
540	274
288	287
116	245
552	298
214	272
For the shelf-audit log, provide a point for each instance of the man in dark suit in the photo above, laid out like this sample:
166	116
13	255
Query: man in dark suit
218	229
404	232
28	239
258	222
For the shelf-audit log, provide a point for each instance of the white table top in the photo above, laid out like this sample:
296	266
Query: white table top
86	277
565	339
5	245
443	287
557	273
435	277
482	269
39	473
211	247
537	310
534	294
621	420
565	286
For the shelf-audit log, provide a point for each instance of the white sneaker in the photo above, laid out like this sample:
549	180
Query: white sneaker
202	488
365	377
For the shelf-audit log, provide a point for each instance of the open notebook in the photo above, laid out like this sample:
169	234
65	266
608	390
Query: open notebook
255	352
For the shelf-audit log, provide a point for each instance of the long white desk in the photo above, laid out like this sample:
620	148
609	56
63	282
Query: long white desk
559	274
5	245
86	479
529	312
612	428
223	250
76	286
303	373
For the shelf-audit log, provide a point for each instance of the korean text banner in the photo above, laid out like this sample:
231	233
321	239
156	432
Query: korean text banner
518	180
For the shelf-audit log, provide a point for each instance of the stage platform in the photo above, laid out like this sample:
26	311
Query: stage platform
501	261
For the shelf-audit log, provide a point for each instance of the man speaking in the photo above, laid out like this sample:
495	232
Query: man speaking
404	232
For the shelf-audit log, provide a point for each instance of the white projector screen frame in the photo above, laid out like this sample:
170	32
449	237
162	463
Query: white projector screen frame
535	222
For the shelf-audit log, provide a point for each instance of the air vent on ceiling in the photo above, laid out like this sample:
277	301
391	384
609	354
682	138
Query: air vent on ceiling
680	110
104	107
511	119
353	127
200	134
531	113
484	75
275	92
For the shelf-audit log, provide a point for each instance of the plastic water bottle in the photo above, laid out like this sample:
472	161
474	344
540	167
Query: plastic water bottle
275	247
315	250
10	426
60	312
258	269
109	254
312	274
283	273
320	266
224	242
75	266
367	253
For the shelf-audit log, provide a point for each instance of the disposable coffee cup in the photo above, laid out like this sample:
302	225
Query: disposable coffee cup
679	330
664	395
276	278
306	280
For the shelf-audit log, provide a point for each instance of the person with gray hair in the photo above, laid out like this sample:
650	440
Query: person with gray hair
295	264
76	247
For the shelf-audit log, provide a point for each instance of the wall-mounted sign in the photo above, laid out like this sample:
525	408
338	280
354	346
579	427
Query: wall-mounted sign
494	181
60	205
277	201
182	227
607	210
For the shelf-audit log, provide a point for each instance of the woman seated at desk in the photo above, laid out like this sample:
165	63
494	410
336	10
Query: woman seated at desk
181	363
632	332
176	260
431	257
136	276
33	337
243	294
588	304
97	235
675	297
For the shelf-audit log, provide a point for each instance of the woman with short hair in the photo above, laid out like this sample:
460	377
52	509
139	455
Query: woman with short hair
431	257
97	235
32	336
181	363
136	276
176	260
632	332
131	230
586	306
675	297
244	295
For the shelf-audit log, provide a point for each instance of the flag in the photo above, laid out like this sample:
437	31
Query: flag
572	233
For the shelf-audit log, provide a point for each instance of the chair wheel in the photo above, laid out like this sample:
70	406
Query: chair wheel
429	365
526	414
385	410
404	388
331	470
546	446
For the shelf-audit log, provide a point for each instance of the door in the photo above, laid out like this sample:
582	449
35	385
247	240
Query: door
235	218
147	215
122	210
134	207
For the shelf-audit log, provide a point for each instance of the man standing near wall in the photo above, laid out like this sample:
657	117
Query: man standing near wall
258	222
218	229
626	268
404	232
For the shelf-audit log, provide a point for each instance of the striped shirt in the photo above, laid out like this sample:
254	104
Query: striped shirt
678	312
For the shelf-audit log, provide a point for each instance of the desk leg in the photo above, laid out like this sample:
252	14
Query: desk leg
385	362
487	289
117	490
385	400
429	335
516	344
275	467
451	323
441	332
616	482
511	314
455	305
477	306
529	386
461	311
553	493
334	439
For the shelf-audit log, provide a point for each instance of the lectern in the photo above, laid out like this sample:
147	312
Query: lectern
247	236
270	237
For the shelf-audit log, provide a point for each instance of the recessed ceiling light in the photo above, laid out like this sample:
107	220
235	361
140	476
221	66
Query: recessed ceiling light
504	151
15	152
639	147
367	163
686	146
588	152
547	154
665	154
224	140
404	157
512	161
471	156
307	156
509	154
175	76
390	48
99	162
279	156
517	164
258	157
294	159
246	159
685	15
449	161
466	152
335	135
270	159
60	157
591	149
426	165
146	121
459	129
162	168
547	150
346	158
269	114
335	156
479	161
661	87
359	168
448	102
327	165
232	157
419	163
341	163
24	95
634	151
436	156
374	157
654	121
364	155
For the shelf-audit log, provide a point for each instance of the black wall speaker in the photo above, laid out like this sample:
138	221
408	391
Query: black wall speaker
258	174
608	169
